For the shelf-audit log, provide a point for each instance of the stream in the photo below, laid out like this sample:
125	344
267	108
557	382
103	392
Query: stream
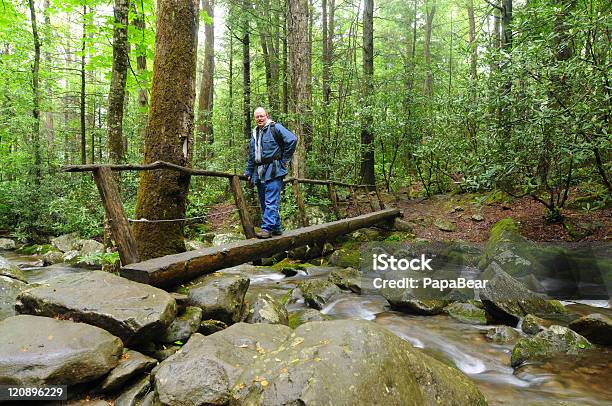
585	380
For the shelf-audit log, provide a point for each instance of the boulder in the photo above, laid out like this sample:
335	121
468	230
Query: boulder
595	327
41	350
90	247
187	323
191	245
405	300
477	217
347	256
7	244
11	271
271	365
553	341
348	279
445	225
208	327
266	309
220	296
134	394
9	290
131	364
132	311
53	257
502	334
466	313
71	257
66	242
403	225
317	293
533	324
203	372
304	316
507	300
165	352
226	238
369	363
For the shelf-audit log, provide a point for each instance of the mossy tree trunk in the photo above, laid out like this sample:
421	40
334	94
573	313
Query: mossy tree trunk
162	194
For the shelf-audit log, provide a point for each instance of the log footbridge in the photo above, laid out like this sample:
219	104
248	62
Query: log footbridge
171	270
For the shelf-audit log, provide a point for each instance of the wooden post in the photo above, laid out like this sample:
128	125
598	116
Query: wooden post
334	199
354	199
300	202
380	200
120	228
367	190
243	210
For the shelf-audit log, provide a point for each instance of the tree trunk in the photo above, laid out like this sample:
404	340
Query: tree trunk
428	83
162	194
205	100
299	48
49	125
473	43
82	104
141	67
367	136
116	95
36	95
246	69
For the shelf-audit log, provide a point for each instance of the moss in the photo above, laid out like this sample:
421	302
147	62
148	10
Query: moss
36	249
287	264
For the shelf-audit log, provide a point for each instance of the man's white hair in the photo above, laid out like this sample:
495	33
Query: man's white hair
260	109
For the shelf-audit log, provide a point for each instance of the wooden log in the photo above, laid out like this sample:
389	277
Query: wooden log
380	200
300	202
334	200
243	209
120	228
354	199
367	191
172	270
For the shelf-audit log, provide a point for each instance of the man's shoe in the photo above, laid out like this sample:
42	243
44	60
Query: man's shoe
263	234
277	232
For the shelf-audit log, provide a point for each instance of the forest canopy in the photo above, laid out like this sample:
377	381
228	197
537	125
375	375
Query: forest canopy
471	95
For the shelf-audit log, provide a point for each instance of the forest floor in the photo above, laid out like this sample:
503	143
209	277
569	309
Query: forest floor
529	214
459	209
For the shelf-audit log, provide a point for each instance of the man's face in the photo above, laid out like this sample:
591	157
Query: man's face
260	118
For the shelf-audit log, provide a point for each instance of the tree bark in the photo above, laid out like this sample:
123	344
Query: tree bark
116	96
36	95
246	69
473	43
162	194
82	104
367	136
428	83
49	124
205	100
299	48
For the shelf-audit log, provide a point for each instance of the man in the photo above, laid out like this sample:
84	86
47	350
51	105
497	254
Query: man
270	150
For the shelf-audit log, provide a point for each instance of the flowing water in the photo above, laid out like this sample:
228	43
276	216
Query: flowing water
564	381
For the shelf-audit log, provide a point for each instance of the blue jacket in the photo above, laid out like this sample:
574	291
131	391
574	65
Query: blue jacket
270	149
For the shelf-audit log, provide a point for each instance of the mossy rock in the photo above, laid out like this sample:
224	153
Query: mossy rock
399	236
502	334
595	327
345	257
533	325
36	249
466	313
287	265
317	293
304	316
553	341
347	279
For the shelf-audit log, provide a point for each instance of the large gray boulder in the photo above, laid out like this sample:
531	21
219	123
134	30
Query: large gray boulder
508	300
220	296
551	342
347	278
9	290
342	362
132	311
41	350
317	292
267	309
596	327
66	242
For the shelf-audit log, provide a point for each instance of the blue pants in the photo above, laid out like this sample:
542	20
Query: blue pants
269	201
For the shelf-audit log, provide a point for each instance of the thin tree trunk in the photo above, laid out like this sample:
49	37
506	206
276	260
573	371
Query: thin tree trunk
49	125
301	88
205	99
428	83
36	95
473	43
246	69
116	96
162	194
82	104
367	136
141	67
